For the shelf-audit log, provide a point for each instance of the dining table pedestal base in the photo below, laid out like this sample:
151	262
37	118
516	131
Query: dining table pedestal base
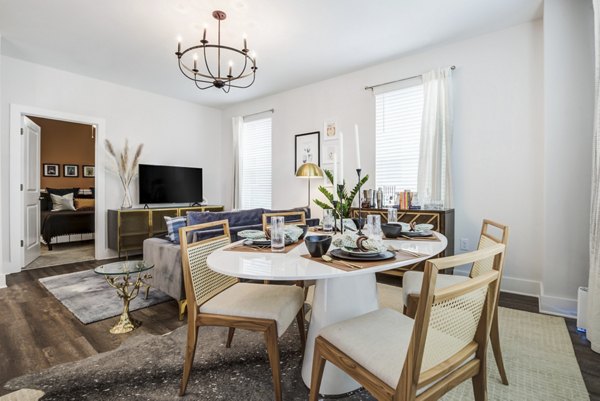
337	299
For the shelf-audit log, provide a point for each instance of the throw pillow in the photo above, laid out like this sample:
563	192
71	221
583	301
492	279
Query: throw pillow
84	204
173	226
62	202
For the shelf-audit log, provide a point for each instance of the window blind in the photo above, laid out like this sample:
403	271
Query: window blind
255	164
398	116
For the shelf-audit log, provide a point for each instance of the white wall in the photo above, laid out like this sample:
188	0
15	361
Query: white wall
2	226
498	86
173	131
569	105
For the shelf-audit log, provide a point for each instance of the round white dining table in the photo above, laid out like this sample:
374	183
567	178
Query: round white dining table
339	294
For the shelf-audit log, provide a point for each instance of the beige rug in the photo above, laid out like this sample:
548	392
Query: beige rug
64	253
538	357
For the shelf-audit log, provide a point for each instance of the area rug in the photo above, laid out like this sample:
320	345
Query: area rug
538	354
89	297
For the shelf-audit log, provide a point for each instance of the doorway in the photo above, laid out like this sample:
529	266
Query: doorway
16	257
65	192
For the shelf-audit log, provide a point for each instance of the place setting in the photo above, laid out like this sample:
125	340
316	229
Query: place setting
276	238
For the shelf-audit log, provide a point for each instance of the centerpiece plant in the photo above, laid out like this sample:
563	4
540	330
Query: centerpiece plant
344	197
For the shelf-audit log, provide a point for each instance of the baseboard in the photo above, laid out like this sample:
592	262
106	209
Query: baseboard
2	280
520	286
558	306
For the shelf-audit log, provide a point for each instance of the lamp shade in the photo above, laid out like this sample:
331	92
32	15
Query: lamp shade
309	170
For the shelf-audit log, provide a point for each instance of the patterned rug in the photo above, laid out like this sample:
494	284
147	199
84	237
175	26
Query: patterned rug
539	359
89	297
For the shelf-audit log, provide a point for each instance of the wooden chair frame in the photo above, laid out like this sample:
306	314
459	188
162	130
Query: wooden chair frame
197	319
413	299
445	375
266	216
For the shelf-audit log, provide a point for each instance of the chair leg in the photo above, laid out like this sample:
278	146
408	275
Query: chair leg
273	351
495	340
317	372
301	329
480	382
411	307
190	352
230	337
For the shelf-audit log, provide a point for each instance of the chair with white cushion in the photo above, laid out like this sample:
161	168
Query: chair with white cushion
411	285
215	299
397	358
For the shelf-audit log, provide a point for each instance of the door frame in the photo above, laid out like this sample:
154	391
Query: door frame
17	112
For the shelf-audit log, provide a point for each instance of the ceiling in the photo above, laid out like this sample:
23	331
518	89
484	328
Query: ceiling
132	42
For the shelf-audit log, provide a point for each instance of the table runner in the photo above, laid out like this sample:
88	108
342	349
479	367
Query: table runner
338	263
244	248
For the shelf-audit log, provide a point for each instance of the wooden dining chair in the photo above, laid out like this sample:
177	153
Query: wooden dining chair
300	218
215	299
411	285
397	358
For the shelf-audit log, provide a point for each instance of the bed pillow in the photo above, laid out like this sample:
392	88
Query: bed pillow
173	226
63	191
84	204
62	202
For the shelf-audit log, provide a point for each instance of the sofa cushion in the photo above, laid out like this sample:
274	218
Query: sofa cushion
167	274
235	218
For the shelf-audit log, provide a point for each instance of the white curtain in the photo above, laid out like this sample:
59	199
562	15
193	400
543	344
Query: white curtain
238	126
434	183
593	318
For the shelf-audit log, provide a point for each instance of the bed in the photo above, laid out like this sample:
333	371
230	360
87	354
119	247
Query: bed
65	222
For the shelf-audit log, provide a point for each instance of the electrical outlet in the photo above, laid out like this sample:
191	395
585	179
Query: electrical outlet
464	244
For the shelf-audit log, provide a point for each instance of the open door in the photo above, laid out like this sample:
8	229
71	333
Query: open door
31	190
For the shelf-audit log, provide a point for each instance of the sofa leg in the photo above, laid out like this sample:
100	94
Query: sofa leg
182	306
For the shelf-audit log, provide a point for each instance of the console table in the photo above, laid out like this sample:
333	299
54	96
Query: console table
442	220
128	228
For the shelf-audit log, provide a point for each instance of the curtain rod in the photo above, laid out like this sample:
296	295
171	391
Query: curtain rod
399	80
260	112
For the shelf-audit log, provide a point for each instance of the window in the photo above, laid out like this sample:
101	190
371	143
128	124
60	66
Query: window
255	164
398	115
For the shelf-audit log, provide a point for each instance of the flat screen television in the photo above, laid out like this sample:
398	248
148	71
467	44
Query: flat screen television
169	184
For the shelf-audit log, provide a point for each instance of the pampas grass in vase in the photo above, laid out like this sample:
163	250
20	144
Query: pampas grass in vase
125	169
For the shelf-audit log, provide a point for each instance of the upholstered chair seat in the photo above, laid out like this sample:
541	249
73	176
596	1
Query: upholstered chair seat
274	302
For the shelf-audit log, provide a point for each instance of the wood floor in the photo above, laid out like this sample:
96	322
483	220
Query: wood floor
37	332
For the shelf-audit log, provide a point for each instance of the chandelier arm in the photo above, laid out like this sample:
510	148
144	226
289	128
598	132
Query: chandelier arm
244	87
206	87
243	70
206	64
193	78
204	47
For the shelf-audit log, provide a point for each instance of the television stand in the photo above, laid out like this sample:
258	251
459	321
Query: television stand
195	204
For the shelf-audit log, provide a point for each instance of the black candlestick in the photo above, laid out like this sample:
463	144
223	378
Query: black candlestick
335	213
359	232
340	192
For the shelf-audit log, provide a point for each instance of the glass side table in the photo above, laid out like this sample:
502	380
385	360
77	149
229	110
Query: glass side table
122	277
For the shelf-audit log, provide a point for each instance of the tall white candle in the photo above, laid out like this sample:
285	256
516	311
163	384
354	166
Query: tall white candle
357	145
335	176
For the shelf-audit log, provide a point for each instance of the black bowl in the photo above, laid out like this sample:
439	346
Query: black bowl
391	230
304	228
317	245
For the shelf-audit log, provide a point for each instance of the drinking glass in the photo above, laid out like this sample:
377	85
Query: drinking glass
374	225
392	215
328	220
277	233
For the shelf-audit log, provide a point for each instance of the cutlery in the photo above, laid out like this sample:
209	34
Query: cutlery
412	253
329	259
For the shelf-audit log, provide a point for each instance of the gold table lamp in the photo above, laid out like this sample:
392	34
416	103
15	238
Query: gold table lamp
309	170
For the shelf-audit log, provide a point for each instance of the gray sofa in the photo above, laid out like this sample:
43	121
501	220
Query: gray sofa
167	274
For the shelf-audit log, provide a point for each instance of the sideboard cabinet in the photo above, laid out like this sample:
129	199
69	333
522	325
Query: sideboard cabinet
128	228
442	220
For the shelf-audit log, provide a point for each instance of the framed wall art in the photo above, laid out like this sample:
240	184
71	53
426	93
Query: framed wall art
330	131
70	170
51	170
88	171
307	149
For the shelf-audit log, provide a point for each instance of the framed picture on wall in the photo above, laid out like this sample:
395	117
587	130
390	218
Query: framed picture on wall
51	170
88	171
307	149
70	170
330	130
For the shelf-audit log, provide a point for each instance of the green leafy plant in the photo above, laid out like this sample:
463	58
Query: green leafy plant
345	198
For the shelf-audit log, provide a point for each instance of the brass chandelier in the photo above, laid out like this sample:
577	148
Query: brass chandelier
207	75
